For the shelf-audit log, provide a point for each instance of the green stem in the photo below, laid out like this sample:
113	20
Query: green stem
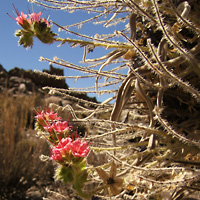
81	193
96	44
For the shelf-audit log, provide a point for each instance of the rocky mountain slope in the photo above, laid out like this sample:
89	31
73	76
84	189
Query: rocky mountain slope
19	81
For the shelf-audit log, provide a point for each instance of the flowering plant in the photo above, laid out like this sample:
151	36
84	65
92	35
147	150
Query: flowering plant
33	27
147	130
69	153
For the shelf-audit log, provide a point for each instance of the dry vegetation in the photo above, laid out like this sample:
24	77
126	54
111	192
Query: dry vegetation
152	133
20	149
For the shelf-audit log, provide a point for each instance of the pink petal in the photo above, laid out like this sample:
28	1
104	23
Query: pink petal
56	155
35	17
79	149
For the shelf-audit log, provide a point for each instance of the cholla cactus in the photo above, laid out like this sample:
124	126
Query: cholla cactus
150	135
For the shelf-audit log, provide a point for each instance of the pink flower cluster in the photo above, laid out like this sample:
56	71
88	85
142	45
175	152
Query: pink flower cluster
63	145
66	147
46	115
33	26
23	21
50	122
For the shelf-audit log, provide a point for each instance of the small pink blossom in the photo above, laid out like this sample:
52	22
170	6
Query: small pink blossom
65	144
62	127
40	115
66	147
35	17
24	22
48	115
49	128
61	150
52	116
56	154
20	19
79	149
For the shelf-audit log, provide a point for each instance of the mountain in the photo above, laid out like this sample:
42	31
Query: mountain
19	81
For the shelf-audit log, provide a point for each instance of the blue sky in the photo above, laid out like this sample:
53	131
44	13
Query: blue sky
12	55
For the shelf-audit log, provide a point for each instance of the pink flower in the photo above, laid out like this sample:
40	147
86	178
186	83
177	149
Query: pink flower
79	149
20	19
26	23
45	120
40	115
66	147
56	155
65	144
49	128
35	17
62	127
47	23
52	116
61	150
48	115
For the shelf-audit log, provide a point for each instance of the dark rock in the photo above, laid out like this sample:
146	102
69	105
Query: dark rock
1	89
2	69
42	80
3	73
12	91
2	81
30	86
54	71
34	81
20	81
16	79
22	88
16	72
34	193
